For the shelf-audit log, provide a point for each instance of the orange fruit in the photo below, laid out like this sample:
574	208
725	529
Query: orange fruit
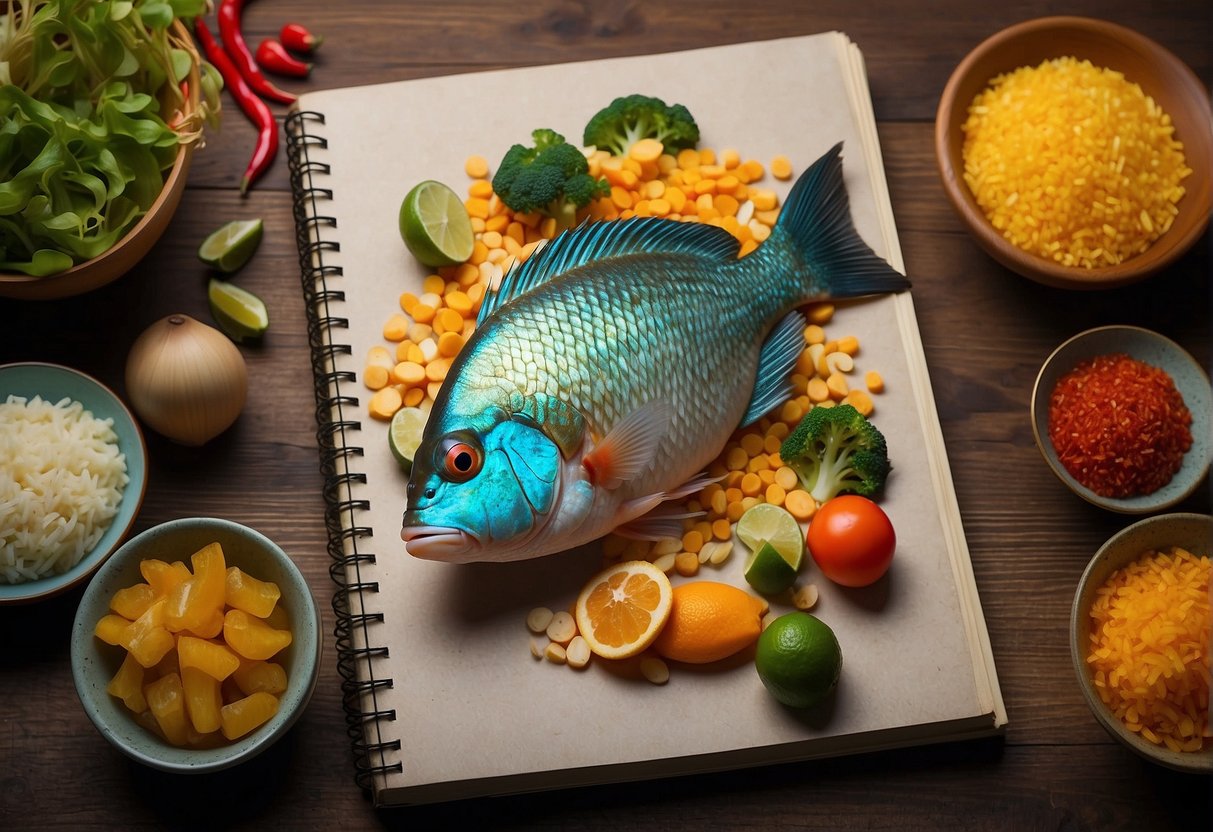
622	609
710	621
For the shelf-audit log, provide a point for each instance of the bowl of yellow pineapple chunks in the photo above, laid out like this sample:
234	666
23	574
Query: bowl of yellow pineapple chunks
196	646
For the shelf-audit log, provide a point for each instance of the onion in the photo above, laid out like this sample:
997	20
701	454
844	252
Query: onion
186	380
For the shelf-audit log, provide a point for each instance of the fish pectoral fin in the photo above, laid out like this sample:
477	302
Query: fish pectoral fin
779	354
662	522
629	448
653	519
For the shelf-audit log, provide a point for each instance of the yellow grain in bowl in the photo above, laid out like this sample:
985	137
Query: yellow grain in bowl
1149	648
1073	162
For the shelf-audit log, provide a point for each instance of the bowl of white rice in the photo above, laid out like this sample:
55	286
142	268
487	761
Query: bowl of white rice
73	468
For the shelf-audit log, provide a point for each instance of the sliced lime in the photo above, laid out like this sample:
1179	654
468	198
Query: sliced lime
435	225
239	313
767	523
769	572
231	246
404	434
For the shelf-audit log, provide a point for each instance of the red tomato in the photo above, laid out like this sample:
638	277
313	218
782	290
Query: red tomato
851	540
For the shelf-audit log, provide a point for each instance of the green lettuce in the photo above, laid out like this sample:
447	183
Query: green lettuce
85	90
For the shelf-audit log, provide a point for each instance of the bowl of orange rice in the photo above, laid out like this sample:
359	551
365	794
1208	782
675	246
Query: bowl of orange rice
1054	181
1139	639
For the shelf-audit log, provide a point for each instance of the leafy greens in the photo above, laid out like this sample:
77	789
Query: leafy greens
92	112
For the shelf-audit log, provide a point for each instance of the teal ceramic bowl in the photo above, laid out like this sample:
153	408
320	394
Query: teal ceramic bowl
54	382
1190	380
94	663
1193	532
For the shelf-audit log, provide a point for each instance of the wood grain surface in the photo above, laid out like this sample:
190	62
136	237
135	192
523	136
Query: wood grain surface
985	332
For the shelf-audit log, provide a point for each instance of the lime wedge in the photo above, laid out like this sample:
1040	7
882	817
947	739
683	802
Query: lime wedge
231	246
239	312
767	523
404	434
435	225
769	572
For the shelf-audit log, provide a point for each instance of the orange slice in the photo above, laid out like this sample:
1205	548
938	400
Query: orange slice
621	610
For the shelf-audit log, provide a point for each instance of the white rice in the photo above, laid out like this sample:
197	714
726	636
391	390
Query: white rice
61	480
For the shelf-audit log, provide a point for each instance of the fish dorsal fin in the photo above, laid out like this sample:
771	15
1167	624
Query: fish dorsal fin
602	240
771	385
631	445
559	420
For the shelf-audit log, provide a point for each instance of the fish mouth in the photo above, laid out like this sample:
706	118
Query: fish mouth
437	542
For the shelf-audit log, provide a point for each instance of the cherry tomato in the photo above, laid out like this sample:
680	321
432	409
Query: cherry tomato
851	540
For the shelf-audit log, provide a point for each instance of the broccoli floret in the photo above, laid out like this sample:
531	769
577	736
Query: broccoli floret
552	178
836	449
626	120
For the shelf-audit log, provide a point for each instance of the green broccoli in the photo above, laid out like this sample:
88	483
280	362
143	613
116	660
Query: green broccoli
626	120
552	178
836	449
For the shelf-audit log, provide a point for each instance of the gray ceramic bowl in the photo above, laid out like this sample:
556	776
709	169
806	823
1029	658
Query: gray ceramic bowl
94	663
54	382
1193	532
1154	349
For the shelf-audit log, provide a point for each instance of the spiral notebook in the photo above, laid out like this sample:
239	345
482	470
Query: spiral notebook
443	699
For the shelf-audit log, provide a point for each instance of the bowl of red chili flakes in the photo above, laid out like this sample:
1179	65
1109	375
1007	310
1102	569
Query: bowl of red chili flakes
1122	416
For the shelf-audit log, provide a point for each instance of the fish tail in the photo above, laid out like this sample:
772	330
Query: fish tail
815	231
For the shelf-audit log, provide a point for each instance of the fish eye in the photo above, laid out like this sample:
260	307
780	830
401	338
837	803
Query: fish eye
461	460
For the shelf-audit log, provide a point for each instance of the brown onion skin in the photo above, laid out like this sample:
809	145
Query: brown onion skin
186	380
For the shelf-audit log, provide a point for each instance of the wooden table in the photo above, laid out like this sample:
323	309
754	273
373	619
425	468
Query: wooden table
985	331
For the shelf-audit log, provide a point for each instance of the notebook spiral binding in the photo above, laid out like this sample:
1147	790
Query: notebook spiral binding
336	432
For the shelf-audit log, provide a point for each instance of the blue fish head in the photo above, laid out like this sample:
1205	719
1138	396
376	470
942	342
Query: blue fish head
470	491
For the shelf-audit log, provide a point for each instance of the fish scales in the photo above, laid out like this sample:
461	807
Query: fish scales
604	339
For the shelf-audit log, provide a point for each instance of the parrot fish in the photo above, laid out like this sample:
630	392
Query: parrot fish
609	369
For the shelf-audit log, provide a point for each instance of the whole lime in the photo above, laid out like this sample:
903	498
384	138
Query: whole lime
798	659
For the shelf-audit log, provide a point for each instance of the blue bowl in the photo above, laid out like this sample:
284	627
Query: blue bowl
53	382
94	662
1158	351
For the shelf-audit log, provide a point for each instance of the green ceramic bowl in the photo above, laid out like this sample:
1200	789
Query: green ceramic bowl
1193	532
1156	350
53	382
94	663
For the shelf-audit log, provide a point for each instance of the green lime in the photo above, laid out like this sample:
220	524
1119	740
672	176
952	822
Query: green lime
239	313
798	659
767	523
231	246
769	572
435	225
404	434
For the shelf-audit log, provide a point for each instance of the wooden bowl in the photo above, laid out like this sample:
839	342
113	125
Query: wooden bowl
1193	532
137	242
1159	73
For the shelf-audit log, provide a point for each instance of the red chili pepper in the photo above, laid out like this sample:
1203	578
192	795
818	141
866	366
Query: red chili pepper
273	56
297	38
233	40
256	109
